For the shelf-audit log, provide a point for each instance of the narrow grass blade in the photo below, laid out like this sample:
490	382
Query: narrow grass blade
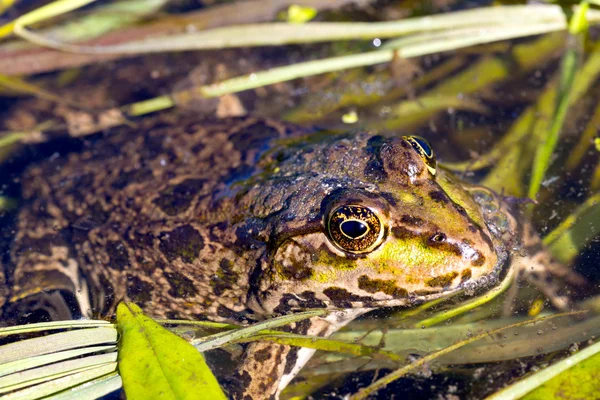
60	384
56	342
93	389
48	11
569	66
32	362
154	362
217	340
48	326
575	231
34	376
318	343
470	304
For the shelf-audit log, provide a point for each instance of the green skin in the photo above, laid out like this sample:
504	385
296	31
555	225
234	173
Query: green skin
232	219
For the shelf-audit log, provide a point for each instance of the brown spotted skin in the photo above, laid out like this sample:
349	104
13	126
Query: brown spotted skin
227	220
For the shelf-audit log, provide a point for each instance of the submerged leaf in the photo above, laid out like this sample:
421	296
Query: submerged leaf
155	363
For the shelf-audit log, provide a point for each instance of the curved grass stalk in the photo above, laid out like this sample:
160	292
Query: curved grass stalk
470	304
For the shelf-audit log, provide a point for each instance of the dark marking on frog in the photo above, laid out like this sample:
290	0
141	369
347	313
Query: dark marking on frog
305	300
255	136
139	290
296	270
75	182
225	277
216	231
374	169
176	199
140	240
478	260
389	197
42	245
95	216
290	360
239	174
184	242
380	285
343	299
128	177
441	280
439	197
245	234
118	257
108	291
262	355
412	221
400	232
181	286
424	292
461	210
228	313
465	275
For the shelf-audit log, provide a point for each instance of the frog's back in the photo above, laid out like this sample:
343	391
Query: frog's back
143	215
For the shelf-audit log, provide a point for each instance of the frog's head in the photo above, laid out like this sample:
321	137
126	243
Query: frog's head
405	231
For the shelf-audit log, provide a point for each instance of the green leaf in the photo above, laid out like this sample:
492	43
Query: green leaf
155	363
576	377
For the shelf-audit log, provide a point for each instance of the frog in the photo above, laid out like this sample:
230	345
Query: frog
241	219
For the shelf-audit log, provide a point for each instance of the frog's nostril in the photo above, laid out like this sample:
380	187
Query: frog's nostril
438	238
354	229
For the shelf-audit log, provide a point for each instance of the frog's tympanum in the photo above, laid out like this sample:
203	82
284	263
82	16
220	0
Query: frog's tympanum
241	219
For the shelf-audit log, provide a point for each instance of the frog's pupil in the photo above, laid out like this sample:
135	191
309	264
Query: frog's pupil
354	229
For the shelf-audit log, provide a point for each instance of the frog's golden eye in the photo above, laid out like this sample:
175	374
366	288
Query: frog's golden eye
422	147
354	228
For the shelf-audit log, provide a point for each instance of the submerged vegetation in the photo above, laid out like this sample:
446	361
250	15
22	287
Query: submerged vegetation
337	73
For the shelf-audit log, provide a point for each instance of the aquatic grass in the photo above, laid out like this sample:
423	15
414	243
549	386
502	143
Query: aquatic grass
99	21
575	231
213	341
514	343
49	326
318	343
578	27
40	14
529	19
33	368
166	101
308	68
70	364
414	366
585	142
315	106
21	86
